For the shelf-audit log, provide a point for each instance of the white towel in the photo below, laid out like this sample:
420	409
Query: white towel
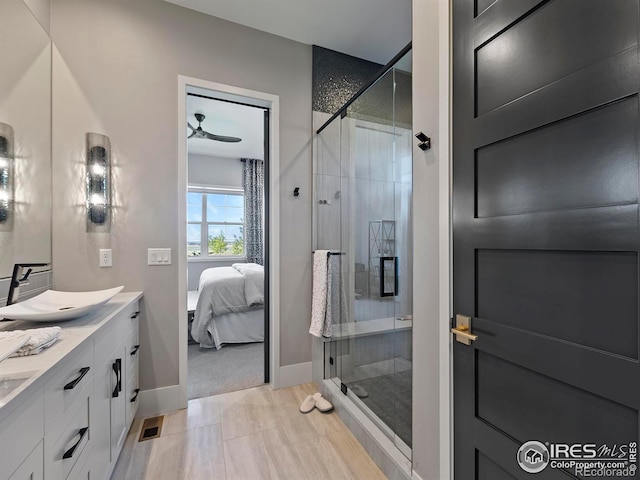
40	339
319	325
337	312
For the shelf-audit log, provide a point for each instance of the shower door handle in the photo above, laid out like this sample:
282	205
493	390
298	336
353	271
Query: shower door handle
383	273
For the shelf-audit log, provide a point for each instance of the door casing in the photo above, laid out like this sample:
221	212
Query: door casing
258	99
432	408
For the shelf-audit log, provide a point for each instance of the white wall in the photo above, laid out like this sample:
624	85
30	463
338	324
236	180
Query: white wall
42	11
431	200
115	71
215	171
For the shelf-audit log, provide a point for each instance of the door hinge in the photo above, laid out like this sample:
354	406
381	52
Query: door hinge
343	387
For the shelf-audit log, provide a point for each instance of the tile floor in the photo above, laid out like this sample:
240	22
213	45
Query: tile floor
248	435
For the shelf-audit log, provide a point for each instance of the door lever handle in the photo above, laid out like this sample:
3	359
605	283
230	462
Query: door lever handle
462	330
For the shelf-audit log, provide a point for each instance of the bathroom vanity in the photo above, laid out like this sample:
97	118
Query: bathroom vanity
65	413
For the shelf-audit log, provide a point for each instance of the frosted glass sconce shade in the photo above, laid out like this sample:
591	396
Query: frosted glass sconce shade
98	182
6	173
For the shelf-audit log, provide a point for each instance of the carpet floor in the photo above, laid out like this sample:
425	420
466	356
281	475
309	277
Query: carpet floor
233	367
390	399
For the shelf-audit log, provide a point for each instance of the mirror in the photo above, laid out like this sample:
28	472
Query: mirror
25	115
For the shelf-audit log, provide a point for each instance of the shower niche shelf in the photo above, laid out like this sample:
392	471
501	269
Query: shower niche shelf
382	243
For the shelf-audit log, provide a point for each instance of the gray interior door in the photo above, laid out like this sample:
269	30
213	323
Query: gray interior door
546	234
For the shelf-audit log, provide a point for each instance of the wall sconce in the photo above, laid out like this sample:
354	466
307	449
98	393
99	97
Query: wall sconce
98	182
6	174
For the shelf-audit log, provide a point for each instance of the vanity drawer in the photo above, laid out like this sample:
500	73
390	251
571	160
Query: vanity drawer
67	383
20	433
133	350
133	315
33	467
133	396
69	437
82	468
118	330
133	311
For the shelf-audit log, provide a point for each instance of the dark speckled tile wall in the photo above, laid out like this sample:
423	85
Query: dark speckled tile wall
337	77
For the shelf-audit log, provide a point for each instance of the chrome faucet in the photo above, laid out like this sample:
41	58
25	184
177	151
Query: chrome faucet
17	279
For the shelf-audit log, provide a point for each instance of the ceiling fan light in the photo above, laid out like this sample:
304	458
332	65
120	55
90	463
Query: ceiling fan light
203	134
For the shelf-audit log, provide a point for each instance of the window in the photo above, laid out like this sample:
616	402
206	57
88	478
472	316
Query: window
215	220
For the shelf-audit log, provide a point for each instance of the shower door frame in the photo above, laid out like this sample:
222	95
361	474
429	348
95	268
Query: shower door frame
333	360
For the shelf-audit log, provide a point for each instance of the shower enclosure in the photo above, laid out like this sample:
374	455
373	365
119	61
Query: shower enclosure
362	206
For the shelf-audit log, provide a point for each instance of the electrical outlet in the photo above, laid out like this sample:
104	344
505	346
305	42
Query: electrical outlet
106	260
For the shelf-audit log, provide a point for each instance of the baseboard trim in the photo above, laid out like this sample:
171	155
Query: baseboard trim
159	400
169	399
415	476
295	374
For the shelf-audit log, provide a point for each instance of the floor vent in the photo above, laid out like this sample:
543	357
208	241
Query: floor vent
151	428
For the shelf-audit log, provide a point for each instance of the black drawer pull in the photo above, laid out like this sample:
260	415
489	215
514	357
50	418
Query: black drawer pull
135	397
69	453
135	349
72	384
117	369
135	315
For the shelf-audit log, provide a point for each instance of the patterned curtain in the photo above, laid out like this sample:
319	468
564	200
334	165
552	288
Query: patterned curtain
253	183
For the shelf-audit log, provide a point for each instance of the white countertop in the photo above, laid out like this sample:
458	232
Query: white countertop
36	368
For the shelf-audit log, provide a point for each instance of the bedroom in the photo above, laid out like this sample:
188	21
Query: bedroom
225	252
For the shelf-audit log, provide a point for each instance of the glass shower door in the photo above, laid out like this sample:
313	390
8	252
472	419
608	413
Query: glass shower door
403	304
373	347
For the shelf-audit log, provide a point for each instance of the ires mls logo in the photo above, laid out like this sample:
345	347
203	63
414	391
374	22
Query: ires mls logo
533	457
581	459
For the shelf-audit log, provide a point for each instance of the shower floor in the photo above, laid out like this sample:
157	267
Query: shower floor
390	399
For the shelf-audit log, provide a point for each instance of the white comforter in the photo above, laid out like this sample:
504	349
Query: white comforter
223	290
253	282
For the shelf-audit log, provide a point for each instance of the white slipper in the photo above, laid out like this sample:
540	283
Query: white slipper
359	391
308	404
322	403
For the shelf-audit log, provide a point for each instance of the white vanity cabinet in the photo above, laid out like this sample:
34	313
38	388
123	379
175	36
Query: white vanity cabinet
112	397
71	417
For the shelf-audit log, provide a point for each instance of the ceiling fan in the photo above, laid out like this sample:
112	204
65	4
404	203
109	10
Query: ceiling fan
200	133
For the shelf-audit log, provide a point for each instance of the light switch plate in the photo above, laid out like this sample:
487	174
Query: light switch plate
159	256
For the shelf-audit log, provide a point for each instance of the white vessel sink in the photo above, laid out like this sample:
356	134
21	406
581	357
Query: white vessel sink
53	306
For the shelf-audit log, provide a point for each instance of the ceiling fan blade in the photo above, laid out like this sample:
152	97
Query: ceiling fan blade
193	134
221	138
191	127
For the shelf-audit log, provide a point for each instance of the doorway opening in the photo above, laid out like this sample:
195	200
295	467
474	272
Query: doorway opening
225	245
227	226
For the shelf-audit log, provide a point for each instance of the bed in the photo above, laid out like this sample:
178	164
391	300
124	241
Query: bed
230	306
